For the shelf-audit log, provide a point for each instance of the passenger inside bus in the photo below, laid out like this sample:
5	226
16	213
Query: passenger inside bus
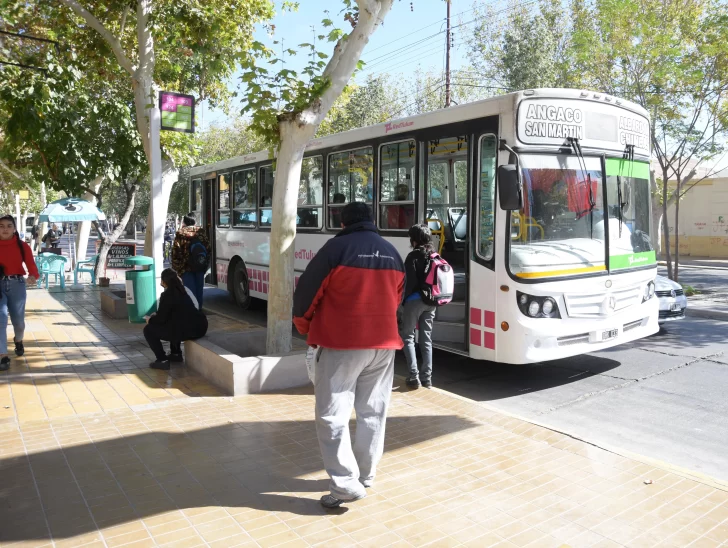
335	212
400	217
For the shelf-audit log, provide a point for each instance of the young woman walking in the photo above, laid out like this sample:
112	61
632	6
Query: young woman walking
14	253
415	311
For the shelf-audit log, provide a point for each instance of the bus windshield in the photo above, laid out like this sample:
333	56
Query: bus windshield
628	196
560	230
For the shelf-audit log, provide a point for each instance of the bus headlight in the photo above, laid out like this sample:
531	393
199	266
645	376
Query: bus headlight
649	292
537	307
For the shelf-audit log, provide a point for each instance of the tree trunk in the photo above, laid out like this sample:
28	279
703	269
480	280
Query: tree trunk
666	223
42	227
108	240
84	227
19	226
676	269
169	177
295	130
656	215
294	137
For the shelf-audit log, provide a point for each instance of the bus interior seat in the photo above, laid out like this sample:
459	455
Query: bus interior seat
458	218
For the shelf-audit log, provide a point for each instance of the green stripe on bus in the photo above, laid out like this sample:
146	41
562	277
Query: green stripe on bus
628	168
632	260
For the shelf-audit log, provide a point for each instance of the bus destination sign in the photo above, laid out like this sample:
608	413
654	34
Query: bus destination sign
598	125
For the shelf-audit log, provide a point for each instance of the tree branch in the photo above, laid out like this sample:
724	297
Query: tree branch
110	39
347	54
123	21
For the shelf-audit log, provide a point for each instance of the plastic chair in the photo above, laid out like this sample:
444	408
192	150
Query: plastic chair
50	264
89	266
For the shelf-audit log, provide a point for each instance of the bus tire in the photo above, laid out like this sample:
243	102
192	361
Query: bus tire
239	285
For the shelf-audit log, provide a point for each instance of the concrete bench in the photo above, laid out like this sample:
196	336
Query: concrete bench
236	363
113	303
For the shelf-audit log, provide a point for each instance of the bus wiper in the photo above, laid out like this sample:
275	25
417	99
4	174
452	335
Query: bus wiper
628	156
574	142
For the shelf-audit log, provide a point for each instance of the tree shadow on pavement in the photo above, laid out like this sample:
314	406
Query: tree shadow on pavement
270	466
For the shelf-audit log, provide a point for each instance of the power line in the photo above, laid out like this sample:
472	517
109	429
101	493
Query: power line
377	61
409	60
397	58
440	21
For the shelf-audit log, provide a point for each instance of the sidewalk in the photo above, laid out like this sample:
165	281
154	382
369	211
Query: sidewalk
699	262
96	449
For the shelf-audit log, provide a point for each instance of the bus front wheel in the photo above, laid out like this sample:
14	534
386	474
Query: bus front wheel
241	286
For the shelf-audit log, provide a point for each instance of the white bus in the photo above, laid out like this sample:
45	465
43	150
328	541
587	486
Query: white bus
540	200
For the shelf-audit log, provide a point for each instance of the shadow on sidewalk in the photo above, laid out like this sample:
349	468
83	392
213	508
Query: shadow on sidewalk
271	466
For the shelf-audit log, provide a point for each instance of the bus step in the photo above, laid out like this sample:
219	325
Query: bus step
451	312
448	332
455	347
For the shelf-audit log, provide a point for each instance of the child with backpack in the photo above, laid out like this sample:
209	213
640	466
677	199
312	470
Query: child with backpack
191	255
429	284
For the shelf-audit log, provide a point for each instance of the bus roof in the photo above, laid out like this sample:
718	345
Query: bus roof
459	113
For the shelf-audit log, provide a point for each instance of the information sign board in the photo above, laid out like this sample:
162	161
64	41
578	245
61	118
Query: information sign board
178	111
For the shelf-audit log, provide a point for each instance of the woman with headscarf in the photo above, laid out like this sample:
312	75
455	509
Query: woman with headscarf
177	319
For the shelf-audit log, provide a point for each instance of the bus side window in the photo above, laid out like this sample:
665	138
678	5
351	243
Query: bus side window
244	198
223	201
267	178
350	180
311	193
486	196
396	185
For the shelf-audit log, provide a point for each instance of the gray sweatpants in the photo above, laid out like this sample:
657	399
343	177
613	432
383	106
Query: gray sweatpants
346	379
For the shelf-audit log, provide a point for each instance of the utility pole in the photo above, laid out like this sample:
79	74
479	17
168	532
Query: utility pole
447	58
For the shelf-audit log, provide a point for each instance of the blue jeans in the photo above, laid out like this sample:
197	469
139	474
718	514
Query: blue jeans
416	312
12	303
196	283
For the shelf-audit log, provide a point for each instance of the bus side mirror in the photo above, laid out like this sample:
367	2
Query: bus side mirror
510	189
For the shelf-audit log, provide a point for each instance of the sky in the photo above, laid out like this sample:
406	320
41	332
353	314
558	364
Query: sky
411	37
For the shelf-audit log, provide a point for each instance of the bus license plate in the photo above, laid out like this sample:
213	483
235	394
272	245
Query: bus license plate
611	334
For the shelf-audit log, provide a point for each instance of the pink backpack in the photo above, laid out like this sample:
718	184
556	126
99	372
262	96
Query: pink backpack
439	283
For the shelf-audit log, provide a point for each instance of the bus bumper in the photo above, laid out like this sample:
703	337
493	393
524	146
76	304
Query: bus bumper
546	340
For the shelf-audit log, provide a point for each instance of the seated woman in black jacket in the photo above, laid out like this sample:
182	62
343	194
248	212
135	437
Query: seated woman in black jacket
177	319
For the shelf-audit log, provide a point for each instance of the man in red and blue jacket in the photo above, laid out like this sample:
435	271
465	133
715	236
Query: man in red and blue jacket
346	302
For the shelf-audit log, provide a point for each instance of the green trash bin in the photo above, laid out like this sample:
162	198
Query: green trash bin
141	296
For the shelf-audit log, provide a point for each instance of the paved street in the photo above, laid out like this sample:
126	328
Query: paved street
663	397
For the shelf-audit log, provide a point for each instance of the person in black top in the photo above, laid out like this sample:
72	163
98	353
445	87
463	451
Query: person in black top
177	319
415	311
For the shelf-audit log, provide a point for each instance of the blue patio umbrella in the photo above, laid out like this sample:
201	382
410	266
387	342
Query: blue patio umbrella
68	210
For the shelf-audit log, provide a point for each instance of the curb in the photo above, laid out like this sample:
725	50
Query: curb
696	266
650	461
708	313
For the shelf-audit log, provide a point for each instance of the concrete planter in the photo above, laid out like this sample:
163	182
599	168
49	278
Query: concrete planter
113	303
236	363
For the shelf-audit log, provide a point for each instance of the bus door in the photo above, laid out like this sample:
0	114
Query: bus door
208	222
446	212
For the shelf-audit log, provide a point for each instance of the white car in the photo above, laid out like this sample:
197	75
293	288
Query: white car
672	299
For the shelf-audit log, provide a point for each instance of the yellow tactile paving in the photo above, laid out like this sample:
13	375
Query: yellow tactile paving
98	450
